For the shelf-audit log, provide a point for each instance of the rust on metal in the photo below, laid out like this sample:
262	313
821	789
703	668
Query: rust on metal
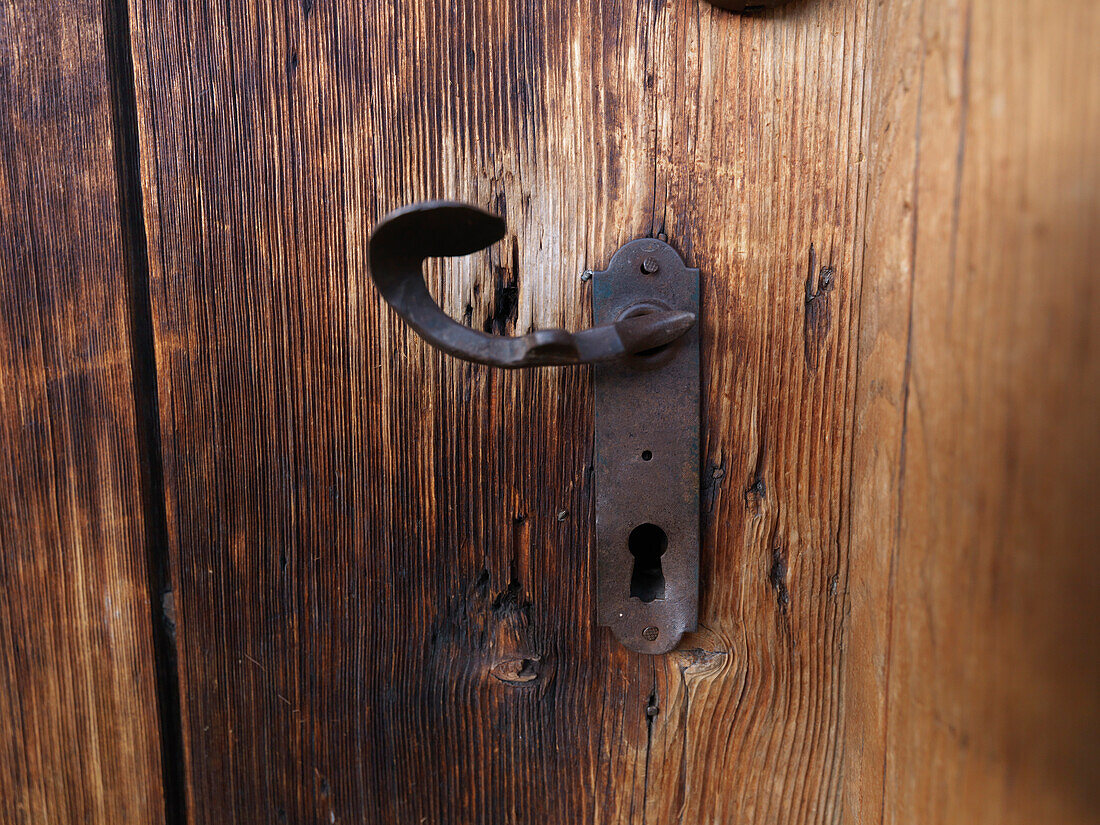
402	241
646	351
647	456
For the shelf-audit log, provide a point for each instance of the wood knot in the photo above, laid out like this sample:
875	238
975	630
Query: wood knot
517	671
700	662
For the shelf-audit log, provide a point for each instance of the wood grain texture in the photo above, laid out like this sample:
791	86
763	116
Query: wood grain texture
78	714
977	431
378	548
381	554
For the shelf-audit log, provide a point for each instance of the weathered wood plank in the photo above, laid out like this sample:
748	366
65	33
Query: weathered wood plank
761	178
78	736
977	438
370	538
381	554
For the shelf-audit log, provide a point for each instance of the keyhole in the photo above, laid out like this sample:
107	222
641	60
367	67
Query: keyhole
647	544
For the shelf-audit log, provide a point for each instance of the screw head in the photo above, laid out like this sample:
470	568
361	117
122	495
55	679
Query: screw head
650	634
650	265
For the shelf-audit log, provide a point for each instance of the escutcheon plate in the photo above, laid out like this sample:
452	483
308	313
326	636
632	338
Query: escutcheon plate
647	456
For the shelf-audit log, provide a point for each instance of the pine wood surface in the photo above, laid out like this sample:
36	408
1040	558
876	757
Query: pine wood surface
79	738
383	554
380	555
978	450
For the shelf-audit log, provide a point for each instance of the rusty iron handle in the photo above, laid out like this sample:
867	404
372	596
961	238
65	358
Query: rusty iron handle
404	238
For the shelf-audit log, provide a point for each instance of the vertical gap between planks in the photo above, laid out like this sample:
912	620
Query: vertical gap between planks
146	413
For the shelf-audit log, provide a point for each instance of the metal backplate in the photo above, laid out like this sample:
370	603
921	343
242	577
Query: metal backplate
647	457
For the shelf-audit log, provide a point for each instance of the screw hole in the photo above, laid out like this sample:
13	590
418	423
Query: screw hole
646	455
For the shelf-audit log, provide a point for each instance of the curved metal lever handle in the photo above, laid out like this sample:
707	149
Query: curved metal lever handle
404	238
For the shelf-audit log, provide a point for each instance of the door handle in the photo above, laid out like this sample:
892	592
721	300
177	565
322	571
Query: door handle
402	241
646	392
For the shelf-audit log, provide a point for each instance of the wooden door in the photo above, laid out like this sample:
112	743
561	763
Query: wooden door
268	557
